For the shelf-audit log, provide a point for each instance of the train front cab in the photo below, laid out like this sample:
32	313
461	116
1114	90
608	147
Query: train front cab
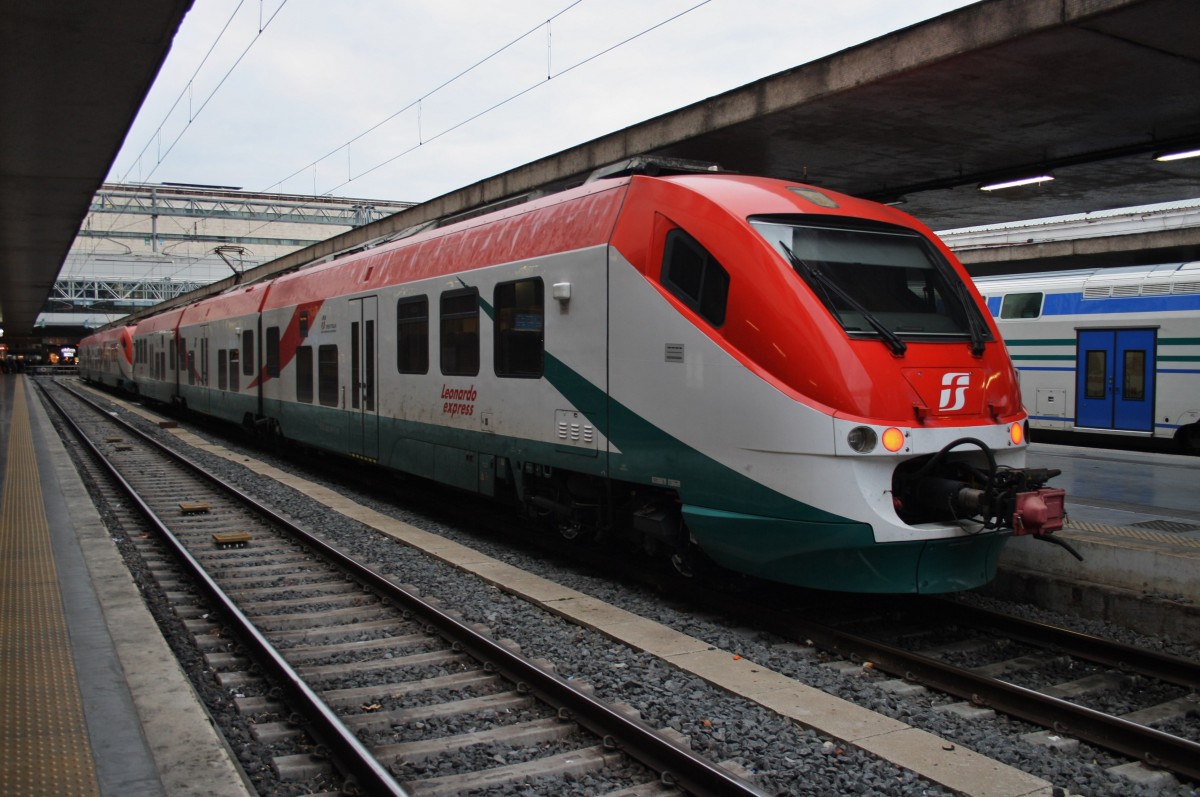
738	389
107	358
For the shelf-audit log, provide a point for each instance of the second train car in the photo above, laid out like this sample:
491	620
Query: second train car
794	383
1113	352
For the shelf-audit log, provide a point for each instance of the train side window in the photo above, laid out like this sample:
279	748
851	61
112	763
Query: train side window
1096	374
248	353
191	366
1134	387
222	382
272	344
304	374
412	335
460	332
1021	305
327	375
695	277
172	355
519	331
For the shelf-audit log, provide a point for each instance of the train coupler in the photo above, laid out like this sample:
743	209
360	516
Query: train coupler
1039	512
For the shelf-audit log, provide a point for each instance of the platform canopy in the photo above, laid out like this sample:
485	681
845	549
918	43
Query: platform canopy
73	75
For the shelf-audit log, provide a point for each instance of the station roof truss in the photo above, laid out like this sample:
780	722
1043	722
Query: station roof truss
168	200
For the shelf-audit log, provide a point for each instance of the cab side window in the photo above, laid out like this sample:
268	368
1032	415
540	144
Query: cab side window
695	277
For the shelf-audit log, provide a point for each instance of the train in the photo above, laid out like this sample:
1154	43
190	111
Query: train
1111	352
708	367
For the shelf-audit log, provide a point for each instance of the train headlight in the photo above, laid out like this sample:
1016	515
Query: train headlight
1016	433
893	439
862	439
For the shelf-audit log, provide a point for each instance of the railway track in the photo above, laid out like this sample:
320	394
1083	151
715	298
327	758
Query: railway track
341	668
1138	703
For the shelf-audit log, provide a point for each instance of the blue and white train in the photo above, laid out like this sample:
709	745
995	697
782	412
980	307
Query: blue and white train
1111	351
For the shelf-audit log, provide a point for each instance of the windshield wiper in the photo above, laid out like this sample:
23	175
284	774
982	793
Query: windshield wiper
814	276
975	324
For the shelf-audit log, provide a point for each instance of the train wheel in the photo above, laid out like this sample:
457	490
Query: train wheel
684	564
1188	438
570	530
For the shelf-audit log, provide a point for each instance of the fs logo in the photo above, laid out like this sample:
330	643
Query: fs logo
954	391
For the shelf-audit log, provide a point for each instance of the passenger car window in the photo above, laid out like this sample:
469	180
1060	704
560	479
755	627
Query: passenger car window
248	353
304	374
412	335
327	375
460	333
272	351
519	335
1021	305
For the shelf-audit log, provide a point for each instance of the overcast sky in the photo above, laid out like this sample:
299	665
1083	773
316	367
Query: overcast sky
322	74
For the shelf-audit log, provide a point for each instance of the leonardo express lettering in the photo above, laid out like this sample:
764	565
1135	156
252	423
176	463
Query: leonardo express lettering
458	401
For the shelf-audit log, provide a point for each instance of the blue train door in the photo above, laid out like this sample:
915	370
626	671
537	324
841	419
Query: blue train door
364	418
1114	382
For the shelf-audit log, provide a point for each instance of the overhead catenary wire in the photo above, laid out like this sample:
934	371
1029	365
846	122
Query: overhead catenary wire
187	90
427	95
422	139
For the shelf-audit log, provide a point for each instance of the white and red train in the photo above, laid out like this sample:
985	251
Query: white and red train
800	385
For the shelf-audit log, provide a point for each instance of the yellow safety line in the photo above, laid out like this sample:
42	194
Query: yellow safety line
44	748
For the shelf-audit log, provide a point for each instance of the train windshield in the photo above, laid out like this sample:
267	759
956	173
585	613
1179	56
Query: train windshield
877	280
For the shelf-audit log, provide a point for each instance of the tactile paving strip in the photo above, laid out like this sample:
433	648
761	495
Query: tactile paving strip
1134	533
44	748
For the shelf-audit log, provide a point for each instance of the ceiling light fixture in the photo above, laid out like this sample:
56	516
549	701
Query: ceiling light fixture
1041	178
1177	156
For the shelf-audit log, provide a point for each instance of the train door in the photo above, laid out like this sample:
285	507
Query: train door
1114	385
202	401
364	415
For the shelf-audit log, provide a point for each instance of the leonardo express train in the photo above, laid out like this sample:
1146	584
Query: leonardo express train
796	384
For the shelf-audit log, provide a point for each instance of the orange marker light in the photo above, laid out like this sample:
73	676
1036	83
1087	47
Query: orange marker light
893	439
1016	434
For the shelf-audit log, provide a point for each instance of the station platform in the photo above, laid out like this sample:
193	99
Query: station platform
1135	518
92	701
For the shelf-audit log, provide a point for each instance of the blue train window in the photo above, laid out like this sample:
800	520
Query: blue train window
1134	384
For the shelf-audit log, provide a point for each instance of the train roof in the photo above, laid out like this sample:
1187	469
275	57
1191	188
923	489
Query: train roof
115	333
1163	278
